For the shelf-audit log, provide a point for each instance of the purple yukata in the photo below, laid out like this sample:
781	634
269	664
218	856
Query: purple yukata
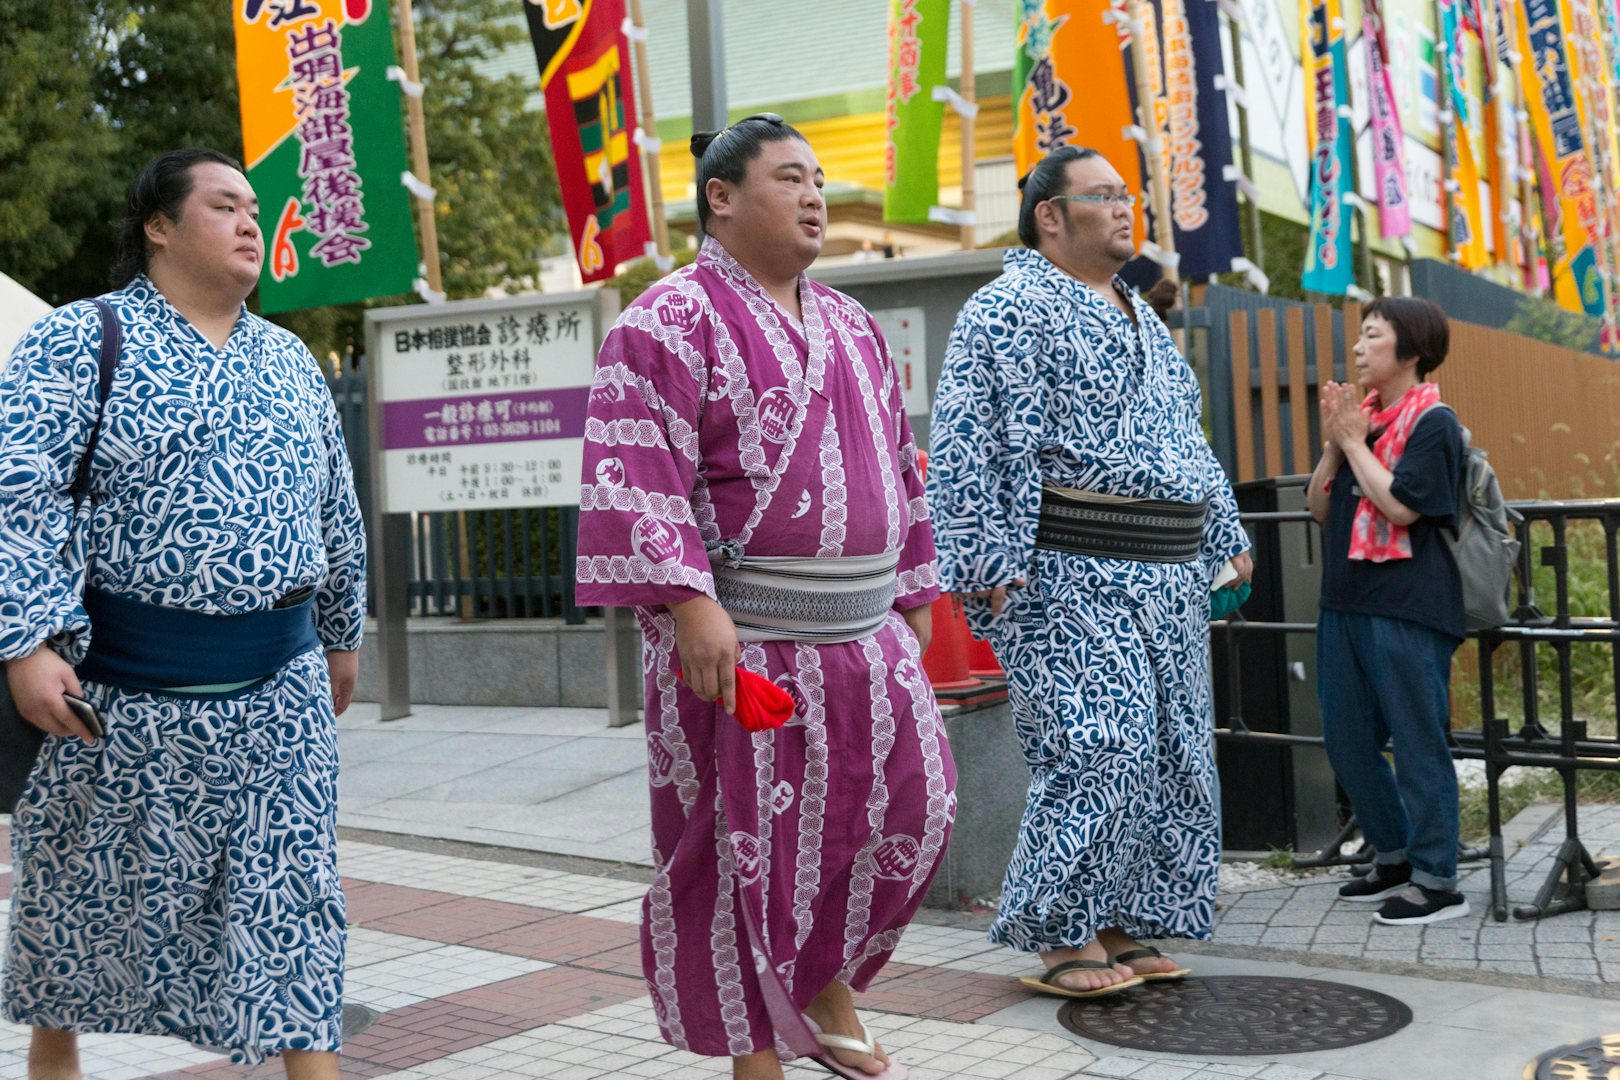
720	427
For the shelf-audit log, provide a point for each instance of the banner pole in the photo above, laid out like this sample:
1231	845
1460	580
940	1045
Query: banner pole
969	156
1448	141
1245	147
1158	183
651	161
427	235
1529	197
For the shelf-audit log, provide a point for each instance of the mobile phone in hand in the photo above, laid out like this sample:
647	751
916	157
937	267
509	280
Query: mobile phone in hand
86	713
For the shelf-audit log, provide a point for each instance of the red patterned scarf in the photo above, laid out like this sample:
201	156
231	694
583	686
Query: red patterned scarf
1373	536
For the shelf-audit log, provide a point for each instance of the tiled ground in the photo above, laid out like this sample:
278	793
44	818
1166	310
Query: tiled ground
1581	945
486	969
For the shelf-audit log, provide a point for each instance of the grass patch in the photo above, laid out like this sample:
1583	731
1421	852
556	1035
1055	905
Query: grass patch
1527	787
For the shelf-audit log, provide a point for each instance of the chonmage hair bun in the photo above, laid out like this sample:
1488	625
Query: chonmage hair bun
701	140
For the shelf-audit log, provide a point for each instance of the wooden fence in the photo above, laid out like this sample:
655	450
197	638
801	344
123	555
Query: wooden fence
1548	416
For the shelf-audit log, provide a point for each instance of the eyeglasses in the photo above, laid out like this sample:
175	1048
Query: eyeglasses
1123	198
709	138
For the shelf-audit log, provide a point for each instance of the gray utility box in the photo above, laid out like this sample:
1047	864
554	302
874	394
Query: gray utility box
1275	796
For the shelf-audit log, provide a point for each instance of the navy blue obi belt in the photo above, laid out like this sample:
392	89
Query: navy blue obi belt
141	646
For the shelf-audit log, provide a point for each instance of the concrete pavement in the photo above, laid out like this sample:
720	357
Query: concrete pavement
495	893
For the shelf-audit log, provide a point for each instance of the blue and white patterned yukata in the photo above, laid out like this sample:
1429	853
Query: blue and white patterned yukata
179	876
1047	382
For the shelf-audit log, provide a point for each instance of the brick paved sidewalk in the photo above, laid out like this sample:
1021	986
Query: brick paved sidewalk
490	965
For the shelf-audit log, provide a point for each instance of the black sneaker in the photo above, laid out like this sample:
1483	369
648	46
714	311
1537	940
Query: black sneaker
1422	905
1382	882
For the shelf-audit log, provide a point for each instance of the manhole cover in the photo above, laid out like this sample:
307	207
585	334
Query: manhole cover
356	1018
1238	1015
1597	1058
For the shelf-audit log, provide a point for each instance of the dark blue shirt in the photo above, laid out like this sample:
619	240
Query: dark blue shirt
1426	588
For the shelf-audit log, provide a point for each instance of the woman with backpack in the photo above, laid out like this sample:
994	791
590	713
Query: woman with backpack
1385	492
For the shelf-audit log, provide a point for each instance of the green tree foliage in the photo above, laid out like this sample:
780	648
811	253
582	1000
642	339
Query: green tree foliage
92	91
50	128
491	160
1544	320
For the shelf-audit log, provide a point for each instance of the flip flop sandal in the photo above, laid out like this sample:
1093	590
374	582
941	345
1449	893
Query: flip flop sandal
1047	983
863	1045
1148	952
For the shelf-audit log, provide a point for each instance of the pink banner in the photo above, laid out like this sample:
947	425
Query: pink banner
1389	170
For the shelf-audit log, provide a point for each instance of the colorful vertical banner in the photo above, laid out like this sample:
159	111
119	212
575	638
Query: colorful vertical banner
1464	214
324	146
1064	45
591	111
1330	252
919	31
1556	122
1389	169
1182	47
1594	93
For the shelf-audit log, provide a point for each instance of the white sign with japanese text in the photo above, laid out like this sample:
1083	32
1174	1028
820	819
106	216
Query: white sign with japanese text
480	404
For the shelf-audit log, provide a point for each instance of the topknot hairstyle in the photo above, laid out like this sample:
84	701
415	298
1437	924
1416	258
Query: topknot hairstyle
1041	183
725	154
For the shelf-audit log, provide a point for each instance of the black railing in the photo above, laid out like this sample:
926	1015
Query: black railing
1569	750
483	564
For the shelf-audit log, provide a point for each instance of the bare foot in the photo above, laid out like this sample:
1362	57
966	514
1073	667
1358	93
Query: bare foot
1084	978
1116	941
53	1055
760	1065
833	1010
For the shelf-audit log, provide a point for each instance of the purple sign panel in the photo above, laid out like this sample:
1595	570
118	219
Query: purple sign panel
485	418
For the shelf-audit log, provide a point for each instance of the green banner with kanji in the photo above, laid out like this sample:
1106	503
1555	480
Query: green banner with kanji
324	148
919	31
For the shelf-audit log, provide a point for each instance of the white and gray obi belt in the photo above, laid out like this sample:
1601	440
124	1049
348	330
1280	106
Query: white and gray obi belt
822	601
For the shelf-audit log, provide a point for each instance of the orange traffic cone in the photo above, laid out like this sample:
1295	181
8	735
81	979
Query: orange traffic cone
947	660
982	662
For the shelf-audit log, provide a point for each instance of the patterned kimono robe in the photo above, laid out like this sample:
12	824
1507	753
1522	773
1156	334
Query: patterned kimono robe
179	875
1046	382
791	857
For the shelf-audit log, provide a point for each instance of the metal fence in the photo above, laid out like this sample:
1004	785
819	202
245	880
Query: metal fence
1563	742
479	563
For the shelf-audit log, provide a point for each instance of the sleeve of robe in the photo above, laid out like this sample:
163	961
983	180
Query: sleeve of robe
639	545
340	602
47	408
965	443
1223	532
919	566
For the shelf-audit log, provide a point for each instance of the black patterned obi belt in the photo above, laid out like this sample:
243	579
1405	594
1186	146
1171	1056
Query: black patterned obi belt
1140	530
821	601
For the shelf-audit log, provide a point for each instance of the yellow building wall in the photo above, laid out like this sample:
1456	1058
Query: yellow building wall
851	148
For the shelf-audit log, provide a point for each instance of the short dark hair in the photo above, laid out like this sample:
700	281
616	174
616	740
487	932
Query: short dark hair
1046	179
161	188
725	154
1420	329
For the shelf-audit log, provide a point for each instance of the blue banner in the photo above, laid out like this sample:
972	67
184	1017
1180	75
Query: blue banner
1330	254
1203	203
1183	50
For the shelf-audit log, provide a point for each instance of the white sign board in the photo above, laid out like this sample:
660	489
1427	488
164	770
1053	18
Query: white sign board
480	404
903	329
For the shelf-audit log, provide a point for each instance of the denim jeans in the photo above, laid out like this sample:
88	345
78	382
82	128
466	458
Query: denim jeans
1378	679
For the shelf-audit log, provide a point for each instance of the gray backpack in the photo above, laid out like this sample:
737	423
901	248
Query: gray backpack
1483	542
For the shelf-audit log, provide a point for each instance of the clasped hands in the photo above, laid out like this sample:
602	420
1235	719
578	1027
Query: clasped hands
1343	423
